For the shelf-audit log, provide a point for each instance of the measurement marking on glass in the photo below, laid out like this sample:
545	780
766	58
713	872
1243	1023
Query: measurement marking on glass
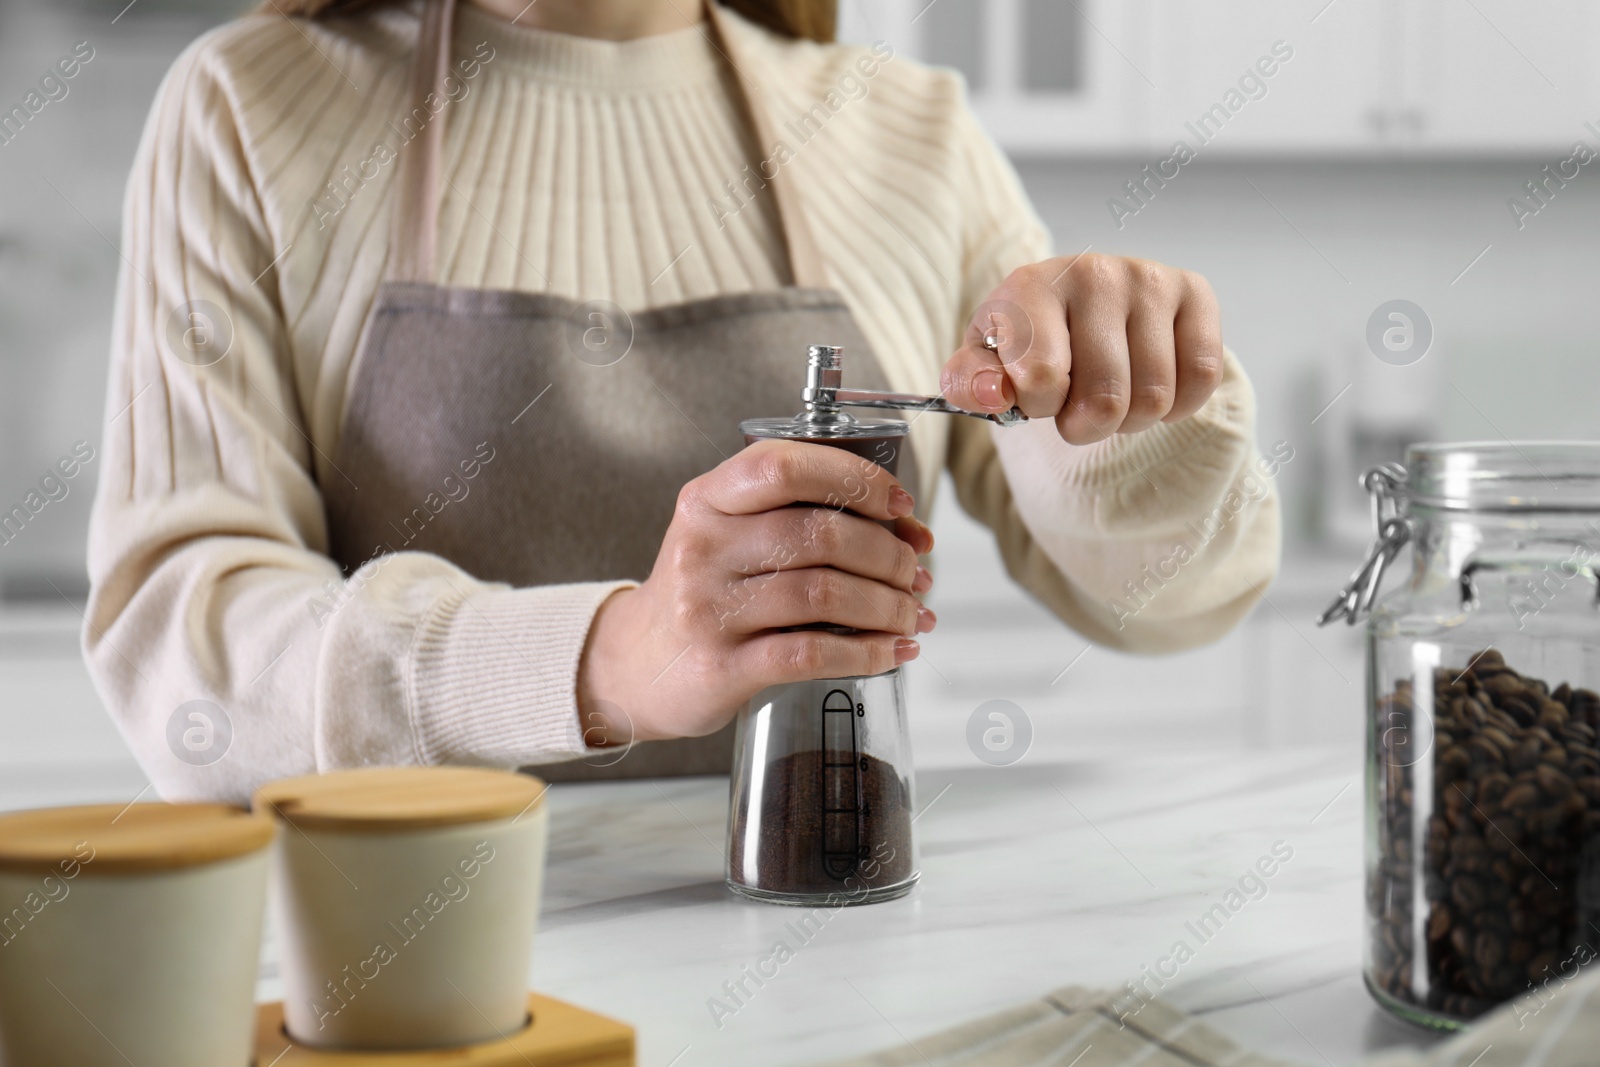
842	803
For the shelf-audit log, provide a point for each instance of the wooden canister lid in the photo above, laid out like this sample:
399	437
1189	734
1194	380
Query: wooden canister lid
390	799
128	838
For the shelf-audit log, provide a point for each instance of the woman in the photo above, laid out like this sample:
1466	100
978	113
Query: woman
438	323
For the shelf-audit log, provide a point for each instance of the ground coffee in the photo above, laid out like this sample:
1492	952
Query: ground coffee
810	822
1510	863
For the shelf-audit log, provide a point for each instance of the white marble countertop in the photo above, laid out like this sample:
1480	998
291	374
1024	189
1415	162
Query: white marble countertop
1033	877
1078	865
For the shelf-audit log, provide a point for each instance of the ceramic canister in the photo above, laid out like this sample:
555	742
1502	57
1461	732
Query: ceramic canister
405	902
130	934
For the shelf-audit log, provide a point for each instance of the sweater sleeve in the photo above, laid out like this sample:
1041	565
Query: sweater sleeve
1147	542
212	593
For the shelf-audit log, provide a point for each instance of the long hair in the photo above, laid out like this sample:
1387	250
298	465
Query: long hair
815	20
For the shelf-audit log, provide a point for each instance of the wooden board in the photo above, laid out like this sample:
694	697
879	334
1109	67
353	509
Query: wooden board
388	799
124	838
561	1035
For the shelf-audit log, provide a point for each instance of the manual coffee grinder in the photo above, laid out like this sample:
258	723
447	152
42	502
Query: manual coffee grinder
820	803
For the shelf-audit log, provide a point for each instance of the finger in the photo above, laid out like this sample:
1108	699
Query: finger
775	474
1152	364
824	596
1197	333
974	379
1032	363
791	539
1097	400
1041	375
802	655
912	531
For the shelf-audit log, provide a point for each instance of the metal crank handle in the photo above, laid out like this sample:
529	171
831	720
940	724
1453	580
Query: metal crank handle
866	398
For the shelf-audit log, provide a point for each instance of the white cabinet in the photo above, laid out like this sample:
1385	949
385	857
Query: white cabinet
1262	75
1505	74
1067	73
1378	77
1048	75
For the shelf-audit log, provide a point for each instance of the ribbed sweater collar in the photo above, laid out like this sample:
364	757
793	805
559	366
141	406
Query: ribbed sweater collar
662	61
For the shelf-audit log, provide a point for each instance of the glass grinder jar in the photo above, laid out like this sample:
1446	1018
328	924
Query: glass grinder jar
821	798
1482	770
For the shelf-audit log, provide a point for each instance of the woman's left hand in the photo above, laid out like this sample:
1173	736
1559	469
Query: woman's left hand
1100	344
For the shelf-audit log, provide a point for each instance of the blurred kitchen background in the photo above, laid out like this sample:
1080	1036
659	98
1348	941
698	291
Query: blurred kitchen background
1379	161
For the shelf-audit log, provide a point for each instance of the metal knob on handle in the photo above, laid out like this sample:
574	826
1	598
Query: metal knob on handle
825	392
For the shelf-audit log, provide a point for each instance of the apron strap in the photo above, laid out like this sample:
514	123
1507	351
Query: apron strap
806	266
414	226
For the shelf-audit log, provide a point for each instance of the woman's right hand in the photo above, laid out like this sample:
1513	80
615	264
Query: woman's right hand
740	566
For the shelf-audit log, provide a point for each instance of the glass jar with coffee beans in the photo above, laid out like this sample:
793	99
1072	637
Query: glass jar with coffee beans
1483	697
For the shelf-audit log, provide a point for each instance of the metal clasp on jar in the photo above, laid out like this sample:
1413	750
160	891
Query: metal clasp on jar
1385	486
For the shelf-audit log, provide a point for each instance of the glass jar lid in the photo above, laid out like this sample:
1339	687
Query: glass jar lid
1505	475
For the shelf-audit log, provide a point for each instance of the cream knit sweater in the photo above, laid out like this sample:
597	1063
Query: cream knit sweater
588	169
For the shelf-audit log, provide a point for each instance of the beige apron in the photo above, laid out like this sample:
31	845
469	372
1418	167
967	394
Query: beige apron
594	418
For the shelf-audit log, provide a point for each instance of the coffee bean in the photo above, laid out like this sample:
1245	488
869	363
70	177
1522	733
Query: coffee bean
1434	886
1525	755
1486	752
1552	714
1496	717
1520	797
1553	782
1520	708
1579	731
1466	893
1492	787
1502	685
1468	850
1439	923
1542	966
1501	739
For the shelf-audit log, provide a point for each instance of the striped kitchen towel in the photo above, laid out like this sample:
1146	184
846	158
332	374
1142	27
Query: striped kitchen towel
1556	1025
1073	1027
